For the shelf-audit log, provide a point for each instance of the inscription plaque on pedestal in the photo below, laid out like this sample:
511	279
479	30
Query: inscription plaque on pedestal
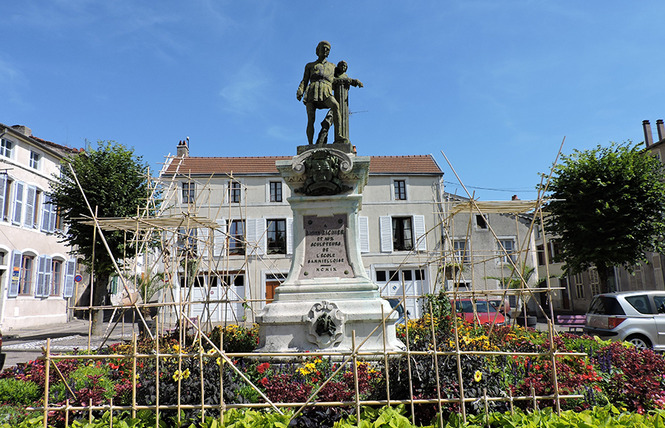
325	247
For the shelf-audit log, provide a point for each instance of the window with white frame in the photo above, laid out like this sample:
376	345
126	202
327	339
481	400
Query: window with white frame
235	192
27	273
461	286
579	285
460	251
275	191
276	235
188	192
35	160
540	253
56	277
187	241
237	237
402	233
554	250
399	190
594	281
506	250
6	148
5	196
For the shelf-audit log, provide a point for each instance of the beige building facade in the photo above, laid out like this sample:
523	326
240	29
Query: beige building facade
36	271
249	251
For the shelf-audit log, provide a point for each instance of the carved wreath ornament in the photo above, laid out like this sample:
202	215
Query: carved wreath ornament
326	324
323	169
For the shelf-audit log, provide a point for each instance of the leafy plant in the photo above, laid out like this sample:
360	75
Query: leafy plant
237	338
88	382
633	378
15	391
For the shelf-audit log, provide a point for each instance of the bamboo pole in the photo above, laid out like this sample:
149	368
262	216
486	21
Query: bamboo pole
47	375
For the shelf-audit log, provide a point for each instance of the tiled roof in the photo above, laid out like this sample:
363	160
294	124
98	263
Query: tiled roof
213	165
65	149
417	164
59	149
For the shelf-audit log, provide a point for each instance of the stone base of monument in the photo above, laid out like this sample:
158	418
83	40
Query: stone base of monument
327	295
329	326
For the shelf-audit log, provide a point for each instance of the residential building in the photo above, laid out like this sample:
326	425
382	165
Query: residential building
486	243
249	252
36	271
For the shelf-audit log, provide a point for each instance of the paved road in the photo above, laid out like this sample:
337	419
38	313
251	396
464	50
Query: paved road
23	345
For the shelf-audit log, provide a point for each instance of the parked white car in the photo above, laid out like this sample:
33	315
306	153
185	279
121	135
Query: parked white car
634	316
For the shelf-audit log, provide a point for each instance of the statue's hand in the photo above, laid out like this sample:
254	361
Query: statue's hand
299	94
359	83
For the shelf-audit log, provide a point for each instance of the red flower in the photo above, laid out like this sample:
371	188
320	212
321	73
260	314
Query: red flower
264	381
262	367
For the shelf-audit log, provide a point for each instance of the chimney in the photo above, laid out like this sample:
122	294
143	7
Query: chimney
183	149
661	129
648	136
23	130
514	198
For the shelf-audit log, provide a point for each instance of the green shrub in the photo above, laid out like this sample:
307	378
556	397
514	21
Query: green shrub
14	391
87	382
237	338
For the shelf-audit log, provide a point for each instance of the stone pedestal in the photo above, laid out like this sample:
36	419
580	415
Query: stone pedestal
327	294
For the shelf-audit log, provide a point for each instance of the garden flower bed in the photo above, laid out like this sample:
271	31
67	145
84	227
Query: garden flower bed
478	372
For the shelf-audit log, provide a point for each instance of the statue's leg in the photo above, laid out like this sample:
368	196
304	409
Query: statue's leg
311	117
325	127
331	103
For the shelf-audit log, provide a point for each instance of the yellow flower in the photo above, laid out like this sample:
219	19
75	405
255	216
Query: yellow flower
180	375
219	361
477	376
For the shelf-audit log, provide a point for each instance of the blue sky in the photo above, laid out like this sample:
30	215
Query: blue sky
494	84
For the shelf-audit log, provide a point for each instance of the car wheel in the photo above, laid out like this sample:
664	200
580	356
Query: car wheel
640	342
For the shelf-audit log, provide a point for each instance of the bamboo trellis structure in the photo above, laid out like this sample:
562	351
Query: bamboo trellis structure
159	241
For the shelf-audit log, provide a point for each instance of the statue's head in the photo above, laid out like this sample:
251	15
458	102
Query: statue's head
320	46
341	68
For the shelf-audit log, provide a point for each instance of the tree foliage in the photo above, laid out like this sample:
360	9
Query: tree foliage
607	208
115	182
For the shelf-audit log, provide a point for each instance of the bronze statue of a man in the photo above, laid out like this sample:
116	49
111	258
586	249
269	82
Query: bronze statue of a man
316	87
